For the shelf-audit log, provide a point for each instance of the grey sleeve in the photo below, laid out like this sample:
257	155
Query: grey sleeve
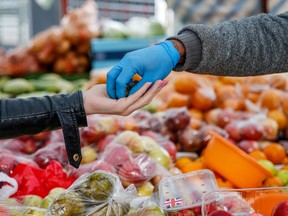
250	46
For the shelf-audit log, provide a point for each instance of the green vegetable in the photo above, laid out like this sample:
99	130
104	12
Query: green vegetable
17	86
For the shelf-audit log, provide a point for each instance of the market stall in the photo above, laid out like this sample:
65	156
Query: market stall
205	146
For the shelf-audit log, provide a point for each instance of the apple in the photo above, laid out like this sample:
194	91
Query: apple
46	201
270	127
280	209
56	191
34	212
15	145
268	165
220	213
161	156
146	121
148	143
89	154
168	134
251	131
55	151
188	142
30	146
177	118
116	155
146	189
31	200
131	173
233	131
256	214
283	175
101	145
4	211
7	162
130	139
211	116
42	135
163	141
224	117
248	145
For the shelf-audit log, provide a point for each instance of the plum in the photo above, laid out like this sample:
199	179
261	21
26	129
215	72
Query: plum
177	118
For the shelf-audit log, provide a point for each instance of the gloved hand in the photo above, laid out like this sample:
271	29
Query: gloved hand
151	63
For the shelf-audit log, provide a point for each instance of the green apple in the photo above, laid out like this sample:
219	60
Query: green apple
283	175
31	200
146	189
89	154
161	156
34	212
268	165
130	139
56	191
46	201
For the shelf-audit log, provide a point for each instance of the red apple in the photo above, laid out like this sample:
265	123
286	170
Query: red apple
54	151
248	145
168	134
146	121
233	131
252	132
281	209
177	118
42	135
30	146
224	117
7	162
219	213
131	173
15	145
104	142
116	154
167	144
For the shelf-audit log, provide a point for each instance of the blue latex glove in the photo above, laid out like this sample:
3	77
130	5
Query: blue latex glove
151	63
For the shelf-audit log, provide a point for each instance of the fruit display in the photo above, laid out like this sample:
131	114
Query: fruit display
235	128
62	49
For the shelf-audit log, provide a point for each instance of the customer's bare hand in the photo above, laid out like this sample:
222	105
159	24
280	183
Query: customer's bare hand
97	101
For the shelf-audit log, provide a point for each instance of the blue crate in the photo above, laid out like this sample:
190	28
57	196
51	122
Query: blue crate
108	52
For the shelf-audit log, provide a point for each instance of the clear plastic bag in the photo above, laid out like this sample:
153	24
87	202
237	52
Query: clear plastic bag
99	194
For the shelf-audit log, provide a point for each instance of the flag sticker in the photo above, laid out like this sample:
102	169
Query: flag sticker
173	202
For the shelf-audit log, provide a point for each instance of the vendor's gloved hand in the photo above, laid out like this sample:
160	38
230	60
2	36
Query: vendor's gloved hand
151	63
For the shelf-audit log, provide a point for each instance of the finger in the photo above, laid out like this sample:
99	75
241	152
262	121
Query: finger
111	81
144	80
148	96
123	80
133	98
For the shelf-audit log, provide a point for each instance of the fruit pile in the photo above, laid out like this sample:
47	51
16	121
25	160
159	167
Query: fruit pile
140	149
62	49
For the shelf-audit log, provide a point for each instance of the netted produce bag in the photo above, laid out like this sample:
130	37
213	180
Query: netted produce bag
97	194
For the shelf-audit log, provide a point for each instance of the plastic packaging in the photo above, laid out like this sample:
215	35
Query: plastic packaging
240	202
98	194
184	192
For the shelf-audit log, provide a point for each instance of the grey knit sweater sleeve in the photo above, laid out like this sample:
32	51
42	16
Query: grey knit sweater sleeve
255	45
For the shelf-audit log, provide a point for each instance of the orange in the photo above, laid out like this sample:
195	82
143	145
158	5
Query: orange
181	162
273	182
226	92
233	103
257	80
195	113
231	80
258	155
185	83
202	161
203	98
176	99
137	77
285	104
270	99
275	152
196	124
192	166
279	117
252	96
278	81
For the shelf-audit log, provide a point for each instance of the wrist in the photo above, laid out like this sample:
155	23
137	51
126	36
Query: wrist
180	48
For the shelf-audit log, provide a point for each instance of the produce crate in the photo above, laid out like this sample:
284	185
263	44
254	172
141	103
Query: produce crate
107	52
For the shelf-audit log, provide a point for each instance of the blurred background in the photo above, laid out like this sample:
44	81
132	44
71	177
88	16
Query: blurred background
80	36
